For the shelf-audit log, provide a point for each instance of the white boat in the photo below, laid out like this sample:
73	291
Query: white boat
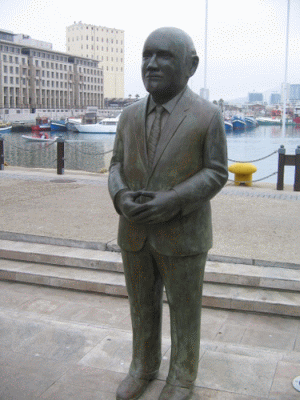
5	127
43	139
72	124
273	121
107	125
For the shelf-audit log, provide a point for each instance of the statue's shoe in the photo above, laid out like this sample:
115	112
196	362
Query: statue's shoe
171	392
132	388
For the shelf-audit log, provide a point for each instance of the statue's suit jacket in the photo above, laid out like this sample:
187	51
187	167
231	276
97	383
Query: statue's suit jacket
191	159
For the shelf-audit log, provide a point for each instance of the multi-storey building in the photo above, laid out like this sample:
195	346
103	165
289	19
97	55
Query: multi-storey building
294	93
105	45
40	78
275	98
255	98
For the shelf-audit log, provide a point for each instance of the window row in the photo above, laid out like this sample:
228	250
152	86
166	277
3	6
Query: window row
102	40
97	28
10	49
97	48
24	81
12	59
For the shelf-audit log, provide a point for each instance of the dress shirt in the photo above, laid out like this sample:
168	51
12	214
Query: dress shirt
168	109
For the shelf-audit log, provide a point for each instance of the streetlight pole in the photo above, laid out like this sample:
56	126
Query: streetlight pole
205	45
204	91
286	68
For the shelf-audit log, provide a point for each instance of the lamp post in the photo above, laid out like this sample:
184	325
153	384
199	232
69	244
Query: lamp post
204	90
286	68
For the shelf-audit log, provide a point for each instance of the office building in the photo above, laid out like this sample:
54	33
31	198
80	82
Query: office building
294	95
255	98
102	44
40	78
275	98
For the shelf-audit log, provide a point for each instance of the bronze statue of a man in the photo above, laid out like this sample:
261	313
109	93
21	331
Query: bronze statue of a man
169	160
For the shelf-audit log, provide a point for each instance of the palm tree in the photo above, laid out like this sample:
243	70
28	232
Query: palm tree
221	103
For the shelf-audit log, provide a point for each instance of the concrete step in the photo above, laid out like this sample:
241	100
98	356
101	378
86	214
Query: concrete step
61	255
215	272
217	295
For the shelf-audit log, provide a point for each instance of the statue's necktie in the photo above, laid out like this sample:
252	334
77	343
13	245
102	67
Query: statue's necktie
154	134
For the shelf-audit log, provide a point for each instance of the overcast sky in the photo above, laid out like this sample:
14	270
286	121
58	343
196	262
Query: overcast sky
246	38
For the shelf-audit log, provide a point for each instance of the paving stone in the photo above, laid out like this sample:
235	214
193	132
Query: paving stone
92	379
282	384
14	332
22	385
265	338
230	333
63	391
59	342
235	373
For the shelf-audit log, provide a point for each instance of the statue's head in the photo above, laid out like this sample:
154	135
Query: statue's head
169	60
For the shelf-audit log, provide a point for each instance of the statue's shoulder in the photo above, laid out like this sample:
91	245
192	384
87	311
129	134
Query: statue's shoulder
201	106
134	107
202	103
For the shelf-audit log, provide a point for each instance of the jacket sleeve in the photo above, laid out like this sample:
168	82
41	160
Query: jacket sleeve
206	183
116	180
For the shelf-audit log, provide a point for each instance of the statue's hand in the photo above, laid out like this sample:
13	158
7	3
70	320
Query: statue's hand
159	207
126	202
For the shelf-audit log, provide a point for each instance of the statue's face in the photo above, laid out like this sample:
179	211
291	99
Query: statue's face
165	71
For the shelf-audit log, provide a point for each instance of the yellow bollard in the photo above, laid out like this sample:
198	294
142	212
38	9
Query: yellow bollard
242	173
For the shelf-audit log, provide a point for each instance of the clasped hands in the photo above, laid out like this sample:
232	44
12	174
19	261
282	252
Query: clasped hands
148	207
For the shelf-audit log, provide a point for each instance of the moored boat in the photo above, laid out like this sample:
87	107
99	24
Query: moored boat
58	126
42	137
72	124
251	122
5	127
238	123
228	126
107	125
273	121
42	124
296	118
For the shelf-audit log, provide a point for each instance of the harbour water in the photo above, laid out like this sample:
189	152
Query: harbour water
92	152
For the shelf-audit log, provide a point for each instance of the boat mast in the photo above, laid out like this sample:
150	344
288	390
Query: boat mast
286	68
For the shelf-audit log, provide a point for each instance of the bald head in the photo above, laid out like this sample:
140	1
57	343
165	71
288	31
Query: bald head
177	36
169	60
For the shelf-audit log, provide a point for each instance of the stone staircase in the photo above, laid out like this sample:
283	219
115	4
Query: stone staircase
256	288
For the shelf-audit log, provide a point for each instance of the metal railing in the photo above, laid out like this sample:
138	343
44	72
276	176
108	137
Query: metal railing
283	159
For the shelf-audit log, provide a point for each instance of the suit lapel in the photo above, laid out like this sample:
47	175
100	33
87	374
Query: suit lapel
178	115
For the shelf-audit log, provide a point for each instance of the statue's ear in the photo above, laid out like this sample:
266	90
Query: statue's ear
194	64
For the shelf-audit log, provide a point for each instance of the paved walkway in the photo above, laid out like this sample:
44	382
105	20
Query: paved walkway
58	344
65	345
254	223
